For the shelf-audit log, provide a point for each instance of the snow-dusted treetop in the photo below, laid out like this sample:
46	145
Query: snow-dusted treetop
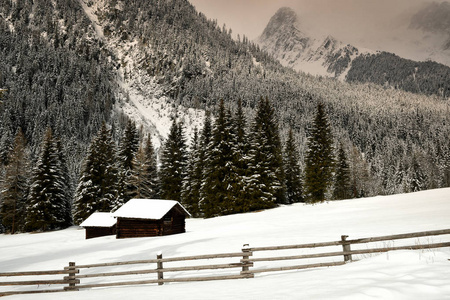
147	209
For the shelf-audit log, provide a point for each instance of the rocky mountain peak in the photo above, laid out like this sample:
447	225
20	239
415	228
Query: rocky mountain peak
284	20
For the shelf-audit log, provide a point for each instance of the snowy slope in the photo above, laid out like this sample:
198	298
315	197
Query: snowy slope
142	98
394	275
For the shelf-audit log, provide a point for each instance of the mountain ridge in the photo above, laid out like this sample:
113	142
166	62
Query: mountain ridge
301	51
326	56
160	59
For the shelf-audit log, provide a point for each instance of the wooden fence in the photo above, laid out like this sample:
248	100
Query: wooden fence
245	262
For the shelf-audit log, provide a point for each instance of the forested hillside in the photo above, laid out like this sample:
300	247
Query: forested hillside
70	66
391	71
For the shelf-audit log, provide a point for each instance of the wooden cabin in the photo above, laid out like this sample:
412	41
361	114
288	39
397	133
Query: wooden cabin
146	218
99	224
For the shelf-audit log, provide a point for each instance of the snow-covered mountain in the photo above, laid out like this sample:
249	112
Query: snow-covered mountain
143	98
423	36
288	41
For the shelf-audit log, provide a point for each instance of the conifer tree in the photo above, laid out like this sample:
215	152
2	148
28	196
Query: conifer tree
215	192
97	188
240	158
47	206
66	184
14	189
319	162
190	194
200	166
266	174
342	184
294	188
418	178
128	147
144	172
173	162
152	169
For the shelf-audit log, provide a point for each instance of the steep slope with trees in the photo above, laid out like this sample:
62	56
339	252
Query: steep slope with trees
65	72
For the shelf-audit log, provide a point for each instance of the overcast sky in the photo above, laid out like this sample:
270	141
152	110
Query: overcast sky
347	19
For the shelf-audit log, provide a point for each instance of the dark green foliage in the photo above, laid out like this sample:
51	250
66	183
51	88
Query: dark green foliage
197	165
342	182
216	191
265	167
294	186
429	78
319	162
14	188
55	77
98	185
66	184
240	158
418	178
190	194
47	201
144	176
173	163
129	145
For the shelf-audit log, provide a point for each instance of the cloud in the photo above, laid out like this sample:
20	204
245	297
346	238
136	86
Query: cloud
346	19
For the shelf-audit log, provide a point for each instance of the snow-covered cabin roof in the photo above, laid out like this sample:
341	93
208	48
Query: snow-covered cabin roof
99	219
147	209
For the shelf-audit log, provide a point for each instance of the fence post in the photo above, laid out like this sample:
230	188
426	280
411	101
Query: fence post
159	267
346	248
71	278
247	253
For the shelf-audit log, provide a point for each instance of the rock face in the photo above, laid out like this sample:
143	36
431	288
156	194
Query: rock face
285	39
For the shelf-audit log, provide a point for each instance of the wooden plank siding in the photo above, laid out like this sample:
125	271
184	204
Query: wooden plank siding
172	223
94	232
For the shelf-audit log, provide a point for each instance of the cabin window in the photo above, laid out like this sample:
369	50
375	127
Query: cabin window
168	220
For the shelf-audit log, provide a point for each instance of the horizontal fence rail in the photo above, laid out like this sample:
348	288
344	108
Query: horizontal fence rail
246	262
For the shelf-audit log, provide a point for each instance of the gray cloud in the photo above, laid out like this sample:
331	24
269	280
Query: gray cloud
351	20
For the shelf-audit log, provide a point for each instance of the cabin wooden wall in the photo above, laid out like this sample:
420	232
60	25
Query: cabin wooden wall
94	232
130	228
172	223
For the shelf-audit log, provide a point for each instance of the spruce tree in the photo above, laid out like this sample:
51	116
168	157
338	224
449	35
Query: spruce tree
294	188
200	166
98	185
128	147
190	194
66	184
265	177
418	178
215	192
173	162
342	184
14	188
47	204
319	162
240	159
144	172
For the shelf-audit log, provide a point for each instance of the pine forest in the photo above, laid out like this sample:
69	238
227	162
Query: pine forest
71	143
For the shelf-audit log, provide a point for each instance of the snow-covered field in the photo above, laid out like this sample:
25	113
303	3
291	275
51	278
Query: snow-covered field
423	274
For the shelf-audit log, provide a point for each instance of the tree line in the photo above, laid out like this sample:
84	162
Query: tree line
230	167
